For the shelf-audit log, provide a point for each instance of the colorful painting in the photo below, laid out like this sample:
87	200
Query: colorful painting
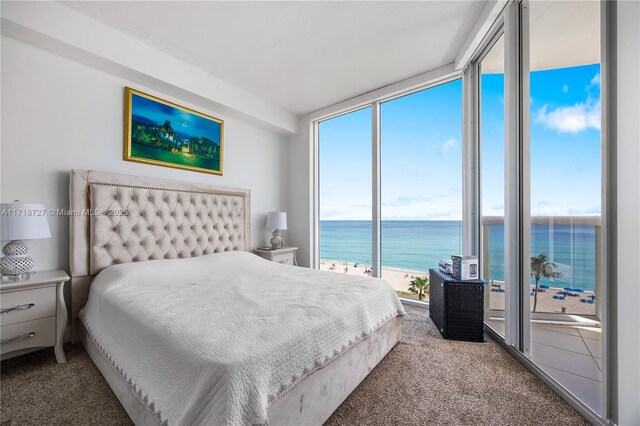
165	134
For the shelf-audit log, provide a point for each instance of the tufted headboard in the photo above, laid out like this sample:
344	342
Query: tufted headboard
121	219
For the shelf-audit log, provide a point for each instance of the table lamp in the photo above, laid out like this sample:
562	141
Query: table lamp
18	222
277	221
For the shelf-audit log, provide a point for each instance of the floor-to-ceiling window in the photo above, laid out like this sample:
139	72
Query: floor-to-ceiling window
421	184
565	195
344	151
420	196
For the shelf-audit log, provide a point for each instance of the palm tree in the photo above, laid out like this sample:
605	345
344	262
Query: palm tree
541	267
419	285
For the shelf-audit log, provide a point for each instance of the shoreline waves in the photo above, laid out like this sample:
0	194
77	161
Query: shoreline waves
417	245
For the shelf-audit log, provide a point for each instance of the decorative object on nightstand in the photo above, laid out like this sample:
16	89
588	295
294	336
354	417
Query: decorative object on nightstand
20	221
284	255
33	313
278	222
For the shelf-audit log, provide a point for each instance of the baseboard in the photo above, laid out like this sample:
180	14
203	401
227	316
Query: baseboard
411	302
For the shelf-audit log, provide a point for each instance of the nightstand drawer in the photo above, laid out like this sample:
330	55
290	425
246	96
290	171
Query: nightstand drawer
285	258
26	305
41	332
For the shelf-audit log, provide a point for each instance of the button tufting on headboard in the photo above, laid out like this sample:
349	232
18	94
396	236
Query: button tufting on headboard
115	238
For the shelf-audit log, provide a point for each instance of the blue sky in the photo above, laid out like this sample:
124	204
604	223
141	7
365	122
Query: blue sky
421	159
421	138
184	123
565	141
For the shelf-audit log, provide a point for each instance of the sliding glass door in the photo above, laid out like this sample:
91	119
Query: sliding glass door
541	192
566	289
492	196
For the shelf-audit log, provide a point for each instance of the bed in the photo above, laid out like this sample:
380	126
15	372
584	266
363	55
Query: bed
188	327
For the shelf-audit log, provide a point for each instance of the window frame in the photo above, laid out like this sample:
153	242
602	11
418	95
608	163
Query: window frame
447	76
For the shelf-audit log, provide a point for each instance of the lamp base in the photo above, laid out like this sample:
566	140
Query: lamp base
276	240
16	260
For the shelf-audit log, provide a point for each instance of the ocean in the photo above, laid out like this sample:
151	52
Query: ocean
419	245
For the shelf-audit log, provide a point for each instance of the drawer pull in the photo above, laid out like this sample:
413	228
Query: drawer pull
18	308
20	337
283	261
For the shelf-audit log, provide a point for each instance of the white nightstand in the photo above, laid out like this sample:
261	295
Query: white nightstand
285	255
33	313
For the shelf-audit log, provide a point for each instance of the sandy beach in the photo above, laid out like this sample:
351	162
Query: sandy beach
546	302
400	281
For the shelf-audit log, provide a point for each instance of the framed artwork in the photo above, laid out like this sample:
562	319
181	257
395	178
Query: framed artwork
162	133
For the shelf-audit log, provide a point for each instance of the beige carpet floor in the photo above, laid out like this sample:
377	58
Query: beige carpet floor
423	380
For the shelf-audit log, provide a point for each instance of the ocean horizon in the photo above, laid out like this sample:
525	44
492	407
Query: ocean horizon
418	245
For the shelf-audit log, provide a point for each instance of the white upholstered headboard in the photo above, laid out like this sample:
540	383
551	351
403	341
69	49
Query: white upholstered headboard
120	219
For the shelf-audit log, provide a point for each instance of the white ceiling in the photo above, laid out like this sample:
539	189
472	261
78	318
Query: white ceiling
563	34
301	56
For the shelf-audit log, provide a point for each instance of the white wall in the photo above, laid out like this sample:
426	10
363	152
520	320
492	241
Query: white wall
627	130
58	114
300	224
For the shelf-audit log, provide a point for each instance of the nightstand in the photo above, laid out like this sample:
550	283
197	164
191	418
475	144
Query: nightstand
33	313
285	255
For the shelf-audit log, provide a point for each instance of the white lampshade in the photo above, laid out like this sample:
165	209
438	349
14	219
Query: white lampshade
21	221
277	220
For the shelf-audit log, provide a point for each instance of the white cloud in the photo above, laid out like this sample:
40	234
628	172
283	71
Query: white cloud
448	146
574	118
571	119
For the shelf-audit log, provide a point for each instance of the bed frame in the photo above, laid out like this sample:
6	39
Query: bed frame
170	219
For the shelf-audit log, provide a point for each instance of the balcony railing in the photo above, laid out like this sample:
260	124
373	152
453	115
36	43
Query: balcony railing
551	221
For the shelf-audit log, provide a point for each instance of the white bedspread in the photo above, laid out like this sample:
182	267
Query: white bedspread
216	339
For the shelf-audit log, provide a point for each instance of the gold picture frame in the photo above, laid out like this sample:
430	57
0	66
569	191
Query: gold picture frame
163	133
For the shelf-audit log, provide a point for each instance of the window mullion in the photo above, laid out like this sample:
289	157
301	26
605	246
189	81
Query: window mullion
376	240
513	226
